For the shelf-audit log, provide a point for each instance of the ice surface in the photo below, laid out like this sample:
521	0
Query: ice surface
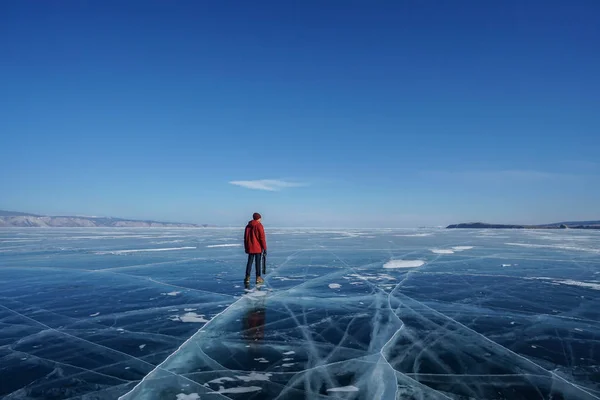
356	314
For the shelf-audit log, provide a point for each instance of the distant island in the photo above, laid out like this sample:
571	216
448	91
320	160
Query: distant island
558	225
19	219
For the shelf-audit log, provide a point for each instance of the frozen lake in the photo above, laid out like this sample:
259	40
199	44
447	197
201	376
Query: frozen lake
348	314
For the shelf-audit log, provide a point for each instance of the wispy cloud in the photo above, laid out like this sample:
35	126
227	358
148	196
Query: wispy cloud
270	185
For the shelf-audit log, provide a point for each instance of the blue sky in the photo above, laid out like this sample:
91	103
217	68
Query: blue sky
314	113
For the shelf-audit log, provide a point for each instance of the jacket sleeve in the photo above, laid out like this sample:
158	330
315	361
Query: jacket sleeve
262	237
246	240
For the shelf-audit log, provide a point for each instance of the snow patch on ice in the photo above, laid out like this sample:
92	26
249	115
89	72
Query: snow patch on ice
256	293
117	252
241	389
224	245
142	346
221	380
255	376
95	314
189	317
554	246
167	241
589	285
170	294
334	286
393	264
192	396
289	353
462	248
344	389
282	278
442	251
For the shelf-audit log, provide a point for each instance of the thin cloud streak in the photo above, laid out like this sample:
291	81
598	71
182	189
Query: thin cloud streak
270	185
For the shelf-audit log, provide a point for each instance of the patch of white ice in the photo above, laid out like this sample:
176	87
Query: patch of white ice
241	389
189	317
221	380
589	285
557	247
256	293
442	251
462	248
118	252
344	389
192	396
255	376
393	264
334	286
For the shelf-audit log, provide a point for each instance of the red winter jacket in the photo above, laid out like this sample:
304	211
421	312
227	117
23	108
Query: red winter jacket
254	238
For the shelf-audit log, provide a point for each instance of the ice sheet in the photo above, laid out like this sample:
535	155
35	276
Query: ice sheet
376	315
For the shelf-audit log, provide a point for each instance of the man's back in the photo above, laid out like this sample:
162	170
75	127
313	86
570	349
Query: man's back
255	243
254	238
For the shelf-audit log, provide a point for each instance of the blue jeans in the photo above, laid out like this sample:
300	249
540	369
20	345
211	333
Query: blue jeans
256	258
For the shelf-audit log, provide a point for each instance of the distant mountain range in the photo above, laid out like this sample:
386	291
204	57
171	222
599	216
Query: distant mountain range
19	219
557	225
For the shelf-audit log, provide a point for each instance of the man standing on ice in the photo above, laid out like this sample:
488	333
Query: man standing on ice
255	244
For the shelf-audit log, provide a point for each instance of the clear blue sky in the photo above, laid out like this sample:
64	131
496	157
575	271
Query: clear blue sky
391	113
